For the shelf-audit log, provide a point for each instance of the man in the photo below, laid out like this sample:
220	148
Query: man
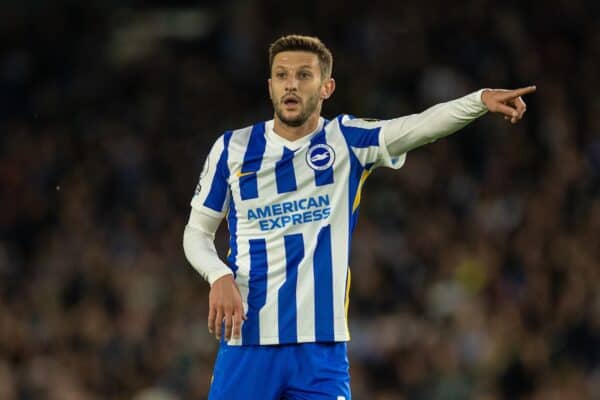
290	189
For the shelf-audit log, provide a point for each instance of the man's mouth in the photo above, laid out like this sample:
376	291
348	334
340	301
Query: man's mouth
291	101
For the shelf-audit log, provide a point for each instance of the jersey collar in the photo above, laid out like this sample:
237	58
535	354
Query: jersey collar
291	144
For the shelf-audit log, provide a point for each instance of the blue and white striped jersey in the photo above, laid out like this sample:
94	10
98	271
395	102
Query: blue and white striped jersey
291	208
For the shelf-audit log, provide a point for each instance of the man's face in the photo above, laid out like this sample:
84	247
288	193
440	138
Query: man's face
296	87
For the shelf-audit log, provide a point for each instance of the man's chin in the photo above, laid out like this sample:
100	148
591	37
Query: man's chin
295	121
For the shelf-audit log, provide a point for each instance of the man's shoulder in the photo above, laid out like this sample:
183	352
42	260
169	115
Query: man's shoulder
349	120
338	118
237	140
239	133
345	118
257	127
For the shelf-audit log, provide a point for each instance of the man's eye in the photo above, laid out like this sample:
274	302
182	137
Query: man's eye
304	75
280	75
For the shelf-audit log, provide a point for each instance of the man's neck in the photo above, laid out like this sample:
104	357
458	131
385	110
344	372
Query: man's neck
292	133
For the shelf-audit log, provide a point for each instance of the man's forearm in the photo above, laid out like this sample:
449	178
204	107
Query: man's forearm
199	247
406	133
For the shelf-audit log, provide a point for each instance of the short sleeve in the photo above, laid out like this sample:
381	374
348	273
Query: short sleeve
365	139
212	193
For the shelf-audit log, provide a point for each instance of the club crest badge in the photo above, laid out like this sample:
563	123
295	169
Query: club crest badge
320	156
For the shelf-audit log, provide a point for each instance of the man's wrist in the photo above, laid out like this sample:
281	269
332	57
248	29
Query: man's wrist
482	97
216	275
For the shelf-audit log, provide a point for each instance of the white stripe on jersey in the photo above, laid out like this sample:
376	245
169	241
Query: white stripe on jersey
305	300
340	247
269	326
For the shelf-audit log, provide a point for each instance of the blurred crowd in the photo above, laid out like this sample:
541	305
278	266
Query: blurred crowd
476	266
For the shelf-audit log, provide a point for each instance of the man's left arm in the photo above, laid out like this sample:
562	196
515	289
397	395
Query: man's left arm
406	133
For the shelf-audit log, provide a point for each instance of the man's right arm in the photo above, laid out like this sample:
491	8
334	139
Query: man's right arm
209	206
225	301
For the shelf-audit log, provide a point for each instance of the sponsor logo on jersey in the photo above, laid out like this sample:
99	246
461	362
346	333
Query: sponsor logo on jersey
294	212
320	156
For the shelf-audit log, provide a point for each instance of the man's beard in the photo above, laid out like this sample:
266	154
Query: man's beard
311	105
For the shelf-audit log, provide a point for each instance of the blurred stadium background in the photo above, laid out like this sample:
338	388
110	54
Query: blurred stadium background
476	266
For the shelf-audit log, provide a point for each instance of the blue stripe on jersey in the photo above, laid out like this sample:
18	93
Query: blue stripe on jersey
257	291
325	176
294	253
218	187
356	171
284	172
323	276
252	162
232	226
359	137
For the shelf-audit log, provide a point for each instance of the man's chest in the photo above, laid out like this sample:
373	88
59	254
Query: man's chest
281	187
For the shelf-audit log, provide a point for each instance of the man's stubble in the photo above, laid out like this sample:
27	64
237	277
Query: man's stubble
309	108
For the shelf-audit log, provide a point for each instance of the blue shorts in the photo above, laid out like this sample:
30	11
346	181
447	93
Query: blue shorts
305	371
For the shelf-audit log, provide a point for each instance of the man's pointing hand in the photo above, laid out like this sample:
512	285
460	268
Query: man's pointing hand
507	102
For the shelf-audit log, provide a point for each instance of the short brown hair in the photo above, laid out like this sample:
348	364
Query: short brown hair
310	44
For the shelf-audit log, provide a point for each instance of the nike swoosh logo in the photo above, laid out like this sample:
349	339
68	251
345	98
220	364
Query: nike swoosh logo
240	173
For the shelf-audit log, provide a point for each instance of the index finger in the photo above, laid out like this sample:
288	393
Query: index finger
519	92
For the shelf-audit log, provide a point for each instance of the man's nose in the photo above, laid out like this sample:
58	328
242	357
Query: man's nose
291	84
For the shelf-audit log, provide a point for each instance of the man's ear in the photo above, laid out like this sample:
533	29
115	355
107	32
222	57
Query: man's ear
327	88
270	90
